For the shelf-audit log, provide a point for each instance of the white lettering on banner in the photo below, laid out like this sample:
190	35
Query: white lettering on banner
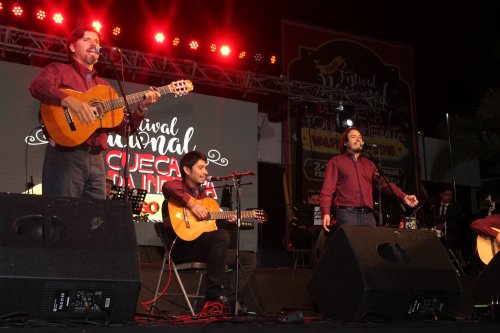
161	138
36	139
164	143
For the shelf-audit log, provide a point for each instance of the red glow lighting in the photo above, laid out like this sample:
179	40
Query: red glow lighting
213	48
193	45
17	10
40	15
97	25
176	41
116	31
160	37
58	18
1	5
273	59
225	50
242	55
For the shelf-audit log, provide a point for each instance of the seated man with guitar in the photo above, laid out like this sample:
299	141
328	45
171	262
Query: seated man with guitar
193	234
75	124
488	231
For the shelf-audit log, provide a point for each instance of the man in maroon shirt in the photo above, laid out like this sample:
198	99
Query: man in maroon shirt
351	177
484	226
78	171
210	247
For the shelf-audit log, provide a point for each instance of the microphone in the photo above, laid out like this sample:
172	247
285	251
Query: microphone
106	49
230	176
368	145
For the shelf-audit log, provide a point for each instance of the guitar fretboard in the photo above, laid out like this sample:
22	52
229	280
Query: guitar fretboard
176	88
226	215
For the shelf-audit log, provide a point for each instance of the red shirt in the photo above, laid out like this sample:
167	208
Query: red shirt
55	76
483	226
352	180
181	193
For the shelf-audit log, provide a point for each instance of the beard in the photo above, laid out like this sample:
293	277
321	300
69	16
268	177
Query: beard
91	59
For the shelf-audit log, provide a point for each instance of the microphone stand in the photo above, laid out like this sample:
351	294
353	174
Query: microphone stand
379	167
451	158
129	126
237	184
380	178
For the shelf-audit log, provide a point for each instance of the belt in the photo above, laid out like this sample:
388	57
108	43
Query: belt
365	210
83	147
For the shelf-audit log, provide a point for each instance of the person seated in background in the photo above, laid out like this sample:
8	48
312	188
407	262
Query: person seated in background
447	218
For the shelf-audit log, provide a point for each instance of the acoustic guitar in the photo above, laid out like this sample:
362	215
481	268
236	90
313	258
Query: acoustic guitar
487	247
188	227
66	129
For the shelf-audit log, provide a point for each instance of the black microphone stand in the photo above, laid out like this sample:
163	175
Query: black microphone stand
237	184
129	126
380	178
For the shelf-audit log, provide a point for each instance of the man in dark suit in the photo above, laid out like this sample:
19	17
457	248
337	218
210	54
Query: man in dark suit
446	218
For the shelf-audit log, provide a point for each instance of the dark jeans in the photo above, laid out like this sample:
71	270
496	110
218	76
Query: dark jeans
348	217
73	174
213	248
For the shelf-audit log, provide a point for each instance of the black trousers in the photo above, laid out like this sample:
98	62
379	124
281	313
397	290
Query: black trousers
213	248
347	217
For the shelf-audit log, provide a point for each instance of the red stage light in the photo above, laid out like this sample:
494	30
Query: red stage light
225	50
193	45
160	37
176	41
58	18
40	14
116	31
17	10
242	55
1	6
257	57
213	48
273	59
97	25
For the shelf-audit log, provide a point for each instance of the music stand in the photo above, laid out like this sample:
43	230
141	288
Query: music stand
136	197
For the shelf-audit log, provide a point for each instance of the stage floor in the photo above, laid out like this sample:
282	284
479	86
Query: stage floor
277	301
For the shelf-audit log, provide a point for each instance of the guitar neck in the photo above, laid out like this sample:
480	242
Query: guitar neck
226	215
118	103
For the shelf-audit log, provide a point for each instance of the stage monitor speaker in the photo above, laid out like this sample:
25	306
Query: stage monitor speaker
379	274
486	289
68	259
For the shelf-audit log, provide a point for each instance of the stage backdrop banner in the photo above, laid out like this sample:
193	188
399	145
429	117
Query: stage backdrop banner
377	77
224	129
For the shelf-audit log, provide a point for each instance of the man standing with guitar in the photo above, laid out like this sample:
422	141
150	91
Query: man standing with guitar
78	170
210	245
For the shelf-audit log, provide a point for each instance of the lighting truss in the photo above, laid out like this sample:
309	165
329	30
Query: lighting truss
17	41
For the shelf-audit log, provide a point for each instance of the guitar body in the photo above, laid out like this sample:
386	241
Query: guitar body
186	225
65	127
487	247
